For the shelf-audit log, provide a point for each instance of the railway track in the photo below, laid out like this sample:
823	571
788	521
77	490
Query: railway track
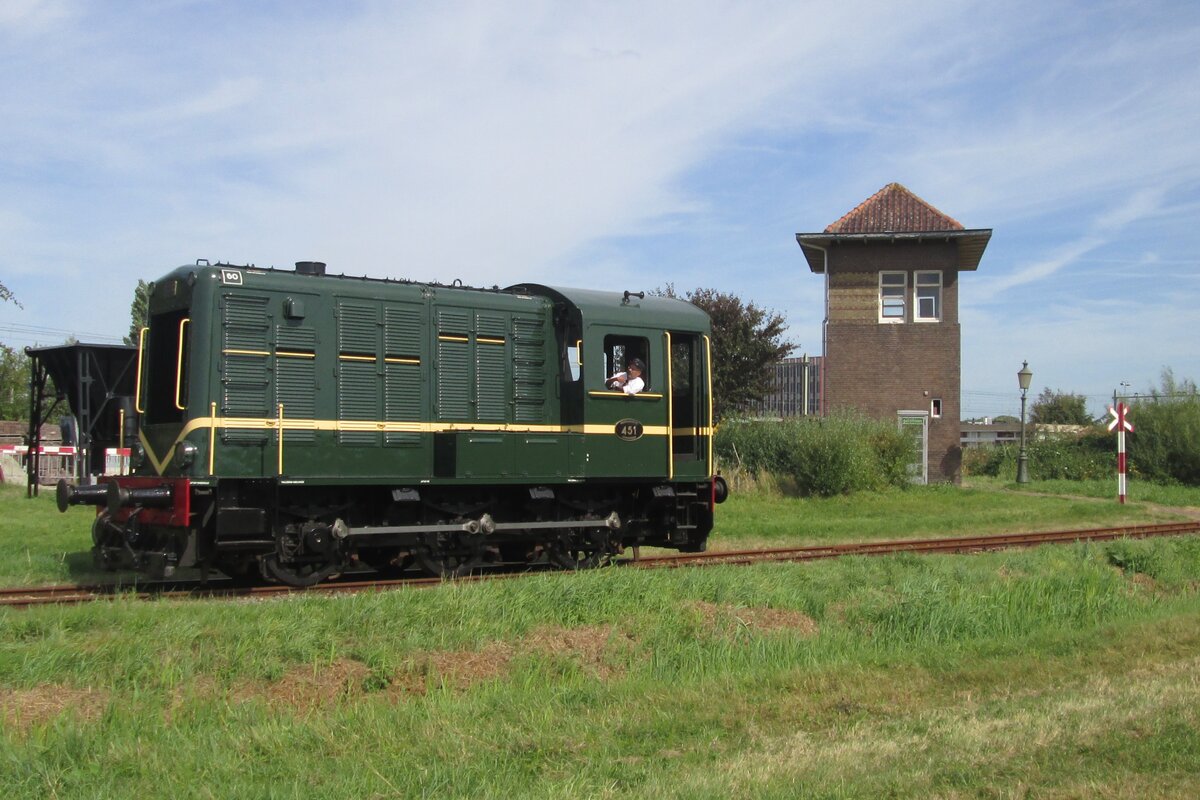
26	597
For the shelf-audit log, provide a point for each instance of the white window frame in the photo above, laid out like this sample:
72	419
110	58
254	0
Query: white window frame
892	295
926	280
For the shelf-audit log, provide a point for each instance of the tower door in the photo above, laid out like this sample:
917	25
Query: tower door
916	425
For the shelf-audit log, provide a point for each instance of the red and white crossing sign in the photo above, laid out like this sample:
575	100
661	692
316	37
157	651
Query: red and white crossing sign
1120	423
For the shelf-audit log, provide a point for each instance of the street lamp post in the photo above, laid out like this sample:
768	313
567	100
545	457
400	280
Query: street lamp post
1024	378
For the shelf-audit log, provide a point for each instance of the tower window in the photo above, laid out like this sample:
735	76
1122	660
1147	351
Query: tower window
927	306
891	296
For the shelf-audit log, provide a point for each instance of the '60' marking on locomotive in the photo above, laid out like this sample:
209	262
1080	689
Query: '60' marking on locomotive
231	277
630	430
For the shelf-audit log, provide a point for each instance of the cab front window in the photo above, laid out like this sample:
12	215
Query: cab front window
165	368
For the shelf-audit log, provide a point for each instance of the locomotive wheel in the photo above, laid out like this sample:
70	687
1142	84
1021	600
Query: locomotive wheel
579	551
299	575
105	537
452	555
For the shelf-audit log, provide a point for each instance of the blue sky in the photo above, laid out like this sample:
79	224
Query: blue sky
617	145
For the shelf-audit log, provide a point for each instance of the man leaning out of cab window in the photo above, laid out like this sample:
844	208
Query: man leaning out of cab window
630	381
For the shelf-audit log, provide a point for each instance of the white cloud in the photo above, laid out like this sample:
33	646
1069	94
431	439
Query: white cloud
33	17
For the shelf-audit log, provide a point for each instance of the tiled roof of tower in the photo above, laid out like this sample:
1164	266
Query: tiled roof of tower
894	209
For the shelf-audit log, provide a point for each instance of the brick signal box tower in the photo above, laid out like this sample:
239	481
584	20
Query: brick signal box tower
892	337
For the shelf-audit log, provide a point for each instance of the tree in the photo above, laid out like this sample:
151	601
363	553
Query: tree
1165	445
14	373
747	342
6	296
1059	408
14	384
139	311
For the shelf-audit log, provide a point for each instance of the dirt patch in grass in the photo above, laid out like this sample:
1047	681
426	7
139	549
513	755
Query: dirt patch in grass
456	669
590	646
22	709
309	687
727	619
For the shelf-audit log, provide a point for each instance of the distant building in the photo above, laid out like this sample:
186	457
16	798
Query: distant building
795	389
987	432
978	434
892	338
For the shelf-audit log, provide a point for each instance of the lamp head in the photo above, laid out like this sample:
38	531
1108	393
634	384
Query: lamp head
1025	376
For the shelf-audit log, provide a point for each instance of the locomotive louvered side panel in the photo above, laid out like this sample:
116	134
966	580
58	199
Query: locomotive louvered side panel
358	327
402	331
245	364
402	372
295	389
454	364
402	401
358	401
359	395
529	369
491	326
453	379
246	325
493	389
290	337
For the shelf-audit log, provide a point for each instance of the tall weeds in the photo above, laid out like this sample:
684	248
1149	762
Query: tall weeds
823	456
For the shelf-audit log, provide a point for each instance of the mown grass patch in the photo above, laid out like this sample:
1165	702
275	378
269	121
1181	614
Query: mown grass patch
1035	671
39	545
1137	490
767	519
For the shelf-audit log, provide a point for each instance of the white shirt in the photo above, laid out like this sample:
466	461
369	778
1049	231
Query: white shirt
631	385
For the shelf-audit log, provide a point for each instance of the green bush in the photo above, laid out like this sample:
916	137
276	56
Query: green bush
1164	447
1165	444
824	456
1091	455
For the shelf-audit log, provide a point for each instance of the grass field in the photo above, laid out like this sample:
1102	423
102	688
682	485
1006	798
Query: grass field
1137	491
39	545
1060	671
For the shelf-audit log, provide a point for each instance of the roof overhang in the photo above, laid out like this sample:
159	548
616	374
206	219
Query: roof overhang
970	244
617	308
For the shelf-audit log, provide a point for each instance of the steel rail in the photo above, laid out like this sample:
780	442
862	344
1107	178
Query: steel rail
959	544
24	597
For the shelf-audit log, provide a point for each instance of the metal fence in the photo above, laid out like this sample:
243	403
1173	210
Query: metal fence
795	389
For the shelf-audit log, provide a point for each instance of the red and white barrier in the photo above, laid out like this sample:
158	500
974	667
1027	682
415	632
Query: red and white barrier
45	450
116	461
1120	424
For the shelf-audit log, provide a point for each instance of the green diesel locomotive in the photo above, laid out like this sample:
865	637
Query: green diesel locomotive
303	424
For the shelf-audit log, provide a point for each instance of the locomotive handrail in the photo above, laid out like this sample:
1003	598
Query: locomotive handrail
708	373
670	415
137	391
212	439
183	323
617	393
280	435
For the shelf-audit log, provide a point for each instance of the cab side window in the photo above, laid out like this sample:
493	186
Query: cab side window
620	350
573	352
